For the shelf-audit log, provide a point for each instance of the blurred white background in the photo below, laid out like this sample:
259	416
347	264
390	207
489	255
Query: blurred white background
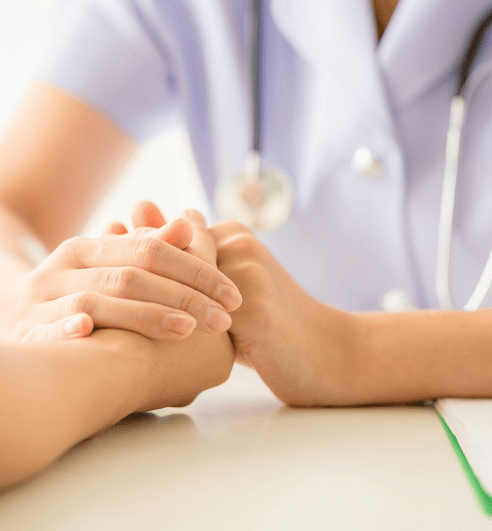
162	171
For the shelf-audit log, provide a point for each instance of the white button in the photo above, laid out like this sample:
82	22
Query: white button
366	163
396	301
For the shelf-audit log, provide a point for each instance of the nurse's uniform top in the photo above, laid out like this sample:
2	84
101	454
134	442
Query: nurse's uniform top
329	89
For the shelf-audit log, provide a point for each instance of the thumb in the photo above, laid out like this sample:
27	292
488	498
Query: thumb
147	214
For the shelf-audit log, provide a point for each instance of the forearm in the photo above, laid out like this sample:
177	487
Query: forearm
20	251
412	357
57	159
55	395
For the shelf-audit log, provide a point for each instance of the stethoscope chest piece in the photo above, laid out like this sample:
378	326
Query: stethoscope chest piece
261	198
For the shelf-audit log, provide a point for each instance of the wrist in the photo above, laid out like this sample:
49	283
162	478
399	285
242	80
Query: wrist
339	348
121	356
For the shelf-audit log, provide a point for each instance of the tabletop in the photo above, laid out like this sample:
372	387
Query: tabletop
237	459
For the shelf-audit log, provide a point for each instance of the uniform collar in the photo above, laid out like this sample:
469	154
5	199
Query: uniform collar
323	30
423	43
339	39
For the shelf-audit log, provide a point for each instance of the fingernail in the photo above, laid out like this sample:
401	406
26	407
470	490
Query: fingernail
217	320
73	326
179	323
229	297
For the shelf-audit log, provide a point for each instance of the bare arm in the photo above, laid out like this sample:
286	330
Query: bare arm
56	160
421	355
311	354
54	395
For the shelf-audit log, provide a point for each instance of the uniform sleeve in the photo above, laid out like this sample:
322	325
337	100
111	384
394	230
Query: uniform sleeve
107	54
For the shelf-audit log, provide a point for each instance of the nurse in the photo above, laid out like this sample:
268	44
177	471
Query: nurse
355	108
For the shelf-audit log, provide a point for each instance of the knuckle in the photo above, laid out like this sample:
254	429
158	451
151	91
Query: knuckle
224	230
118	281
243	245
233	227
248	274
202	275
189	301
147	252
82	302
71	248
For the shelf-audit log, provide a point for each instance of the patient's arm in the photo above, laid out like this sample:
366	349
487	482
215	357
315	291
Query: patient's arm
54	395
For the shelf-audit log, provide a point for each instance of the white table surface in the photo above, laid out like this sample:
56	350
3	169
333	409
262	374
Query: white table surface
237	459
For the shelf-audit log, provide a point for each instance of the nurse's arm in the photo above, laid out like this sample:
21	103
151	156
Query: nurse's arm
420	355
311	354
54	395
58	157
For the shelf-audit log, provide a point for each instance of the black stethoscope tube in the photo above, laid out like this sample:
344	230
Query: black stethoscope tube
471	51
465	84
256	73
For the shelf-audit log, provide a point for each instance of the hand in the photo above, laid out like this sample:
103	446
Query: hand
294	342
135	281
175	375
166	373
57	394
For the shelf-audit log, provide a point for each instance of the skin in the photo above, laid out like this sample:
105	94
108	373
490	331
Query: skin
308	353
55	136
311	354
383	10
59	393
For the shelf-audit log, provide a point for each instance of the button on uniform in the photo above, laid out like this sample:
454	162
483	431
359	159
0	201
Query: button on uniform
366	163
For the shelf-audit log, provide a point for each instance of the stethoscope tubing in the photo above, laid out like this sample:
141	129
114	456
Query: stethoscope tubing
464	88
257	49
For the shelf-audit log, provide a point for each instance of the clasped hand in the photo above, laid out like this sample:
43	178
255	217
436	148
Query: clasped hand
294	342
139	281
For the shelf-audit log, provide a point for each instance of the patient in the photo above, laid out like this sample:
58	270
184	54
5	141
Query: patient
57	393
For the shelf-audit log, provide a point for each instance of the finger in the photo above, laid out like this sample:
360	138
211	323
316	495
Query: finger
194	216
115	228
133	285
178	233
203	245
66	328
148	254
147	214
152	320
224	230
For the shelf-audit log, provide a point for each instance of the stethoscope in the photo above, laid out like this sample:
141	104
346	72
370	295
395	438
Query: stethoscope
262	197
466	84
